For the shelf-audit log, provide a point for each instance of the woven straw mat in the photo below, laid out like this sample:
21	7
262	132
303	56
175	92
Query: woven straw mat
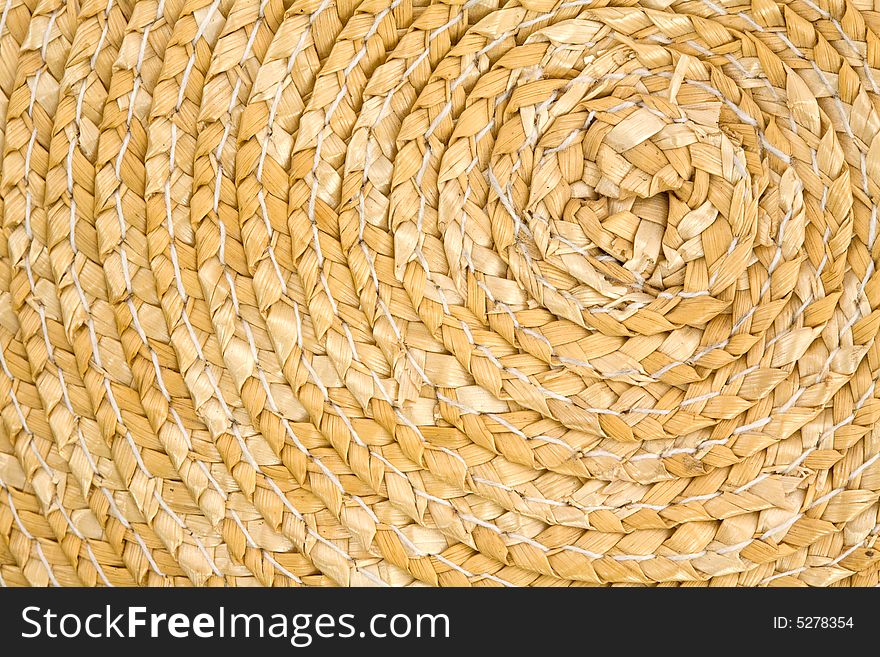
432	292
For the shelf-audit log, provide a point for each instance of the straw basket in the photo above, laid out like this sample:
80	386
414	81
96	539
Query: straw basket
431	292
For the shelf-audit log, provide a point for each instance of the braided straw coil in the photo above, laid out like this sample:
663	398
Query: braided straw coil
444	292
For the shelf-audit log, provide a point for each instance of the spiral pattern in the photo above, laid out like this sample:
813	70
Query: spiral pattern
445	292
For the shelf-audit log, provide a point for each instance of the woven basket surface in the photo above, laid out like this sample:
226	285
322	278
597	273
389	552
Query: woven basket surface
432	292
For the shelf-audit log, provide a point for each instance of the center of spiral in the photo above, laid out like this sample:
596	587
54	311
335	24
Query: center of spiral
610	189
629	212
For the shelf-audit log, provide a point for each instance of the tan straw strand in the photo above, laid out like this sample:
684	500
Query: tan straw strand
439	292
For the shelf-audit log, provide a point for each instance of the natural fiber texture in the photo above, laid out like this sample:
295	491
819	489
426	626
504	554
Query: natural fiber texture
321	292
